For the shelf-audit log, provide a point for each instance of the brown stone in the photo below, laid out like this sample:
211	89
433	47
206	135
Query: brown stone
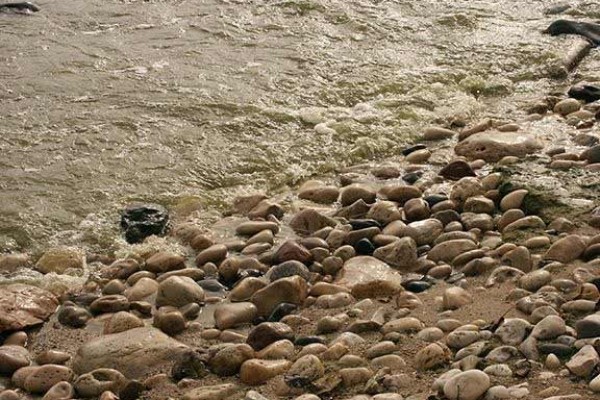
23	305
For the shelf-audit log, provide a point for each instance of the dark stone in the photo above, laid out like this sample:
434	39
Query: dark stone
306	340
266	333
587	93
358	224
413	148
191	364
592	155
132	390
589	327
433	199
22	6
455	277
592	252
422	250
364	247
73	316
559	350
456	170
585	29
446	216
412	177
416	286
287	269
140	220
212	285
281	311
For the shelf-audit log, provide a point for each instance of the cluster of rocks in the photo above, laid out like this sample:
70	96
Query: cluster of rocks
365	290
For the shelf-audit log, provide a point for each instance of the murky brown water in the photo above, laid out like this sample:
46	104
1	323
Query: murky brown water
189	103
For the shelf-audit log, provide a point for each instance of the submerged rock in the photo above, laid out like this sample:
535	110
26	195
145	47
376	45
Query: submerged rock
493	146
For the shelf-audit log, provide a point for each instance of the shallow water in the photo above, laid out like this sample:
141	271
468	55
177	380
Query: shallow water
190	103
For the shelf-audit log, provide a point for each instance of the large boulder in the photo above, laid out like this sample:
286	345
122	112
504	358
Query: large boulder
135	353
23	305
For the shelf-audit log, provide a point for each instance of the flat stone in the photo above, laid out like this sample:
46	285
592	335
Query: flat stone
94	383
215	392
308	221
367	272
432	356
135	353
43	378
22	306
493	146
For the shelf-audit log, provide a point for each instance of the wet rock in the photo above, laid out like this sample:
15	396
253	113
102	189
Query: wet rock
401	194
584	362
143	288
215	254
169	320
59	260
308	221
288	269
162	262
365	275
73	316
177	291
493	146
318	192
12	358
109	304
468	385
401	254
269	332
140	220
354	192
215	392
228	360
286	290
52	357
134	352
94	383
457	170
246	288
22	306
291	250
234	314
256	372
121	322
384	212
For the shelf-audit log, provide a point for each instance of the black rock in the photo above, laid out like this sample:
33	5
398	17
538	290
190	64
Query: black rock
212	285
559	350
587	93
412	149
565	27
140	220
364	247
421	250
416	286
412	177
306	340
433	199
22	6
358	224
287	269
281	311
73	316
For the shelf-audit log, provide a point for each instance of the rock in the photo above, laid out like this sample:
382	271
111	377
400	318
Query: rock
52	357
134	353
291	250
215	392
12	262
588	327
140	220
215	254
228	360
513	331
246	288
354	192
401	254
308	221
307	367
591	155
22	306
73	316
384	212
169	320
432	356
479	205
41	379
12	358
163	261
318	192
355	376
566	249
234	314
535	280
424	232
416	210
567	106
549	328
584	362
595	384
177	291
60	260
256	372
456	297
513	200
468	385
266	333
281	349
457	170
121	322
437	133
141	289
287	269
109	304
365	275
401	194
286	290
448	250
61	391
94	383
461	338
493	146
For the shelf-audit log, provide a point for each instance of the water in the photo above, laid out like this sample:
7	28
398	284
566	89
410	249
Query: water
190	103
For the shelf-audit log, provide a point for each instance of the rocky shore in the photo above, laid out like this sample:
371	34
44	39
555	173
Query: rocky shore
466	268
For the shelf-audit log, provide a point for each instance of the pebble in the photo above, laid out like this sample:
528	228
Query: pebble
266	333
468	385
61	391
255	372
12	358
456	297
584	362
234	314
177	291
